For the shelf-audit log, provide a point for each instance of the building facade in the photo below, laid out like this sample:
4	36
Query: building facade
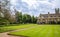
49	18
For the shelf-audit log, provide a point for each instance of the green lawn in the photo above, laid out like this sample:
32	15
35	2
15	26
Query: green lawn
40	31
9	28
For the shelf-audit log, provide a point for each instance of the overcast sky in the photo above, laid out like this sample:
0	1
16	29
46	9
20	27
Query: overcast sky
35	7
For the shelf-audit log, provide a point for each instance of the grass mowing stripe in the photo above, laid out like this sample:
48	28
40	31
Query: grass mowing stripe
33	30
41	31
36	34
53	31
9	28
44	32
57	32
23	32
36	31
49	32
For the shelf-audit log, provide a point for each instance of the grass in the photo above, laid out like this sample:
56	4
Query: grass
10	28
40	31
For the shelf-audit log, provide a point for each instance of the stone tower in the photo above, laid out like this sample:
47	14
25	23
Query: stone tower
56	10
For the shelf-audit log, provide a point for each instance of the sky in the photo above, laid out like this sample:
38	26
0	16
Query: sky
35	7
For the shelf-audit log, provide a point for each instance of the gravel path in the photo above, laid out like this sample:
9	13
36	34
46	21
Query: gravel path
5	34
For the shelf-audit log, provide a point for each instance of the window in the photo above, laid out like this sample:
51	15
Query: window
54	16
59	16
42	16
45	16
51	16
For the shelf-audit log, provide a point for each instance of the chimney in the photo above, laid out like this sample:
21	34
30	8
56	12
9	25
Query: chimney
48	13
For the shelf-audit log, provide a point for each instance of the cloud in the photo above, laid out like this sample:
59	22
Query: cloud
35	7
13	2
36	3
57	2
30	2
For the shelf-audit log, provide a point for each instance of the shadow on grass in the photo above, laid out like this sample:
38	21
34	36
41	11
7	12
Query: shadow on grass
18	35
48	24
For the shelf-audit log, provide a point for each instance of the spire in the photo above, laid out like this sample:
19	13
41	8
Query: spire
57	10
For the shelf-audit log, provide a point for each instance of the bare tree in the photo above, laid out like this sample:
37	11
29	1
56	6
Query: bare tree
5	8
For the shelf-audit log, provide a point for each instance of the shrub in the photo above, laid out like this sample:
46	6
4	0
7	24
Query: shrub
52	22
58	22
3	21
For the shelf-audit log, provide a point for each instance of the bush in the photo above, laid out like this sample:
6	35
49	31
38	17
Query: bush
58	22
3	21
52	22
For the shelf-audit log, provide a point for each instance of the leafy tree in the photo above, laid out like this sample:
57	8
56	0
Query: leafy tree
28	18
18	16
33	19
24	18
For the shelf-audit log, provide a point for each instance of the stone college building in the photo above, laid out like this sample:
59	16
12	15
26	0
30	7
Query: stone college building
49	18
